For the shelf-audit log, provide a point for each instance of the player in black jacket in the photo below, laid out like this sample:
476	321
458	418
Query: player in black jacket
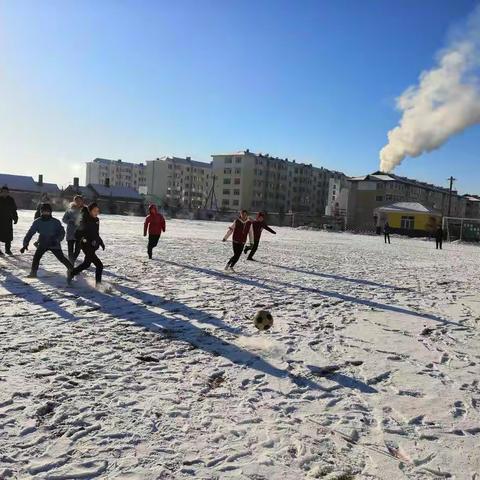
258	226
89	237
8	214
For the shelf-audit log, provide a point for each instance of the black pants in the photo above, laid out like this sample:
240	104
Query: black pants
8	246
252	248
90	257
56	251
387	237
152	243
439	242
237	252
74	248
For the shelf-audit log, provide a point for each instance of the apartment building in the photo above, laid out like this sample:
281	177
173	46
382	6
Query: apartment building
180	182
261	182
369	192
118	173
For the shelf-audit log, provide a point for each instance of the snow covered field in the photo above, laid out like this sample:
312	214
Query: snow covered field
371	370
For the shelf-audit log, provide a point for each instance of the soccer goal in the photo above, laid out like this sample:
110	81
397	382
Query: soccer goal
466	229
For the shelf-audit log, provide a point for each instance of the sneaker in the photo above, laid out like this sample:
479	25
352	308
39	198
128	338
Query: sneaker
251	259
32	275
9	252
227	267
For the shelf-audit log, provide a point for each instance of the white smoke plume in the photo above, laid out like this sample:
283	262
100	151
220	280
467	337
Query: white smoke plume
445	102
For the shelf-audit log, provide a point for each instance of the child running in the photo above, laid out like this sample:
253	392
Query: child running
51	233
89	237
71	218
154	225
257	226
241	228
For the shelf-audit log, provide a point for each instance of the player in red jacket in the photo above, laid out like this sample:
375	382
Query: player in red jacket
154	225
258	226
241	228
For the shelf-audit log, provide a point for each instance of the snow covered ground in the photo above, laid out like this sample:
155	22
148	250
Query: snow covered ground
371	370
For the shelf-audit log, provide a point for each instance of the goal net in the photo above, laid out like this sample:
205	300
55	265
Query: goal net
465	229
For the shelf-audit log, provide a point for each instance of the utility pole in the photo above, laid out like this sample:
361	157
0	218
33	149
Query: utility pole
211	196
451	179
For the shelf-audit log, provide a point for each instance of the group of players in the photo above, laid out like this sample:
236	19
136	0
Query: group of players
83	234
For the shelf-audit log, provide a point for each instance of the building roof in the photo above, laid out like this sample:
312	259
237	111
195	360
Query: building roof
27	184
115	191
106	161
83	191
185	161
411	207
48	188
240	152
18	182
389	177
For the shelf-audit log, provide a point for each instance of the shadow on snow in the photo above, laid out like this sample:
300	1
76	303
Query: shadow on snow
317	291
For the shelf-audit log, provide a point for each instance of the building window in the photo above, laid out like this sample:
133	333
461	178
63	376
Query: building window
237	171
226	201
238	160
237	181
236	203
226	191
228	159
236	192
227	171
227	181
379	198
407	223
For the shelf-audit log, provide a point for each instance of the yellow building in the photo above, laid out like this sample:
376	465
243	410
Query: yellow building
408	218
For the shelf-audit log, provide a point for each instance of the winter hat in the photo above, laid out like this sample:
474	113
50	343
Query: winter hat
77	197
45	207
5	188
92	206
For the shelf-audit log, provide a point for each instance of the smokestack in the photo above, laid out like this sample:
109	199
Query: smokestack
107	182
76	182
40	180
445	102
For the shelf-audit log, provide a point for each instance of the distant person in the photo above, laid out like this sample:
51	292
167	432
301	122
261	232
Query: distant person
8	214
241	228
72	218
154	225
44	199
258	226
51	233
386	232
88	234
439	237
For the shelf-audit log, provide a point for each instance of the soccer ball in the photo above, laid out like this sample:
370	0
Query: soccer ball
263	320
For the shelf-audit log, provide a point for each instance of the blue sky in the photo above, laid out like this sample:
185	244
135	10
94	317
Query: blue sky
314	81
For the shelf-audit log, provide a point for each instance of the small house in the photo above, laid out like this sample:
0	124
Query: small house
408	218
118	200
28	193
